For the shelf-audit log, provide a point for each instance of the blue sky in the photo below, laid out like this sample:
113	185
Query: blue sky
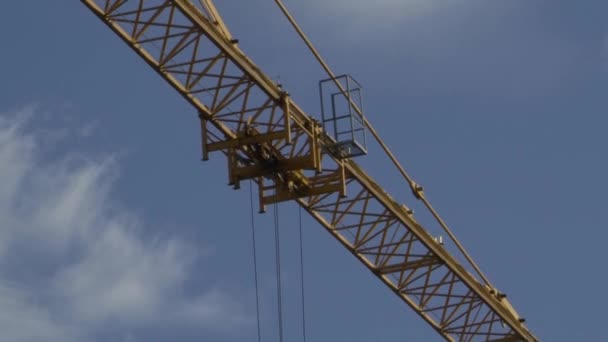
111	228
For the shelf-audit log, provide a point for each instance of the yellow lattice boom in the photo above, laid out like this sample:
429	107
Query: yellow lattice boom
269	139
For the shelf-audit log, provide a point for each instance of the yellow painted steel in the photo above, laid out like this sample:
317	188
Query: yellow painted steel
268	138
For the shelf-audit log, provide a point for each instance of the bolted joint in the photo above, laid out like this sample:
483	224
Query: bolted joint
409	211
417	190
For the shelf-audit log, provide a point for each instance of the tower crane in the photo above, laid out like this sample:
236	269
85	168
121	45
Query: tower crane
291	156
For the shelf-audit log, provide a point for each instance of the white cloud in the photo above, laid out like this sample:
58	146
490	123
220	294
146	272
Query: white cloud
122	277
22	320
72	259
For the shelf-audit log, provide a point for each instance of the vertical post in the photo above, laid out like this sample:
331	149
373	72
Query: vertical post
342	179
350	110
314	146
362	117
231	167
204	136
261	195
286	109
334	118
322	103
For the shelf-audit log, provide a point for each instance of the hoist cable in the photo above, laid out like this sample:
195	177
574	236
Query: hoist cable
416	189
255	263
302	275
277	248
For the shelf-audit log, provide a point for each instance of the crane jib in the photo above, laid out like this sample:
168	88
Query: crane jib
269	139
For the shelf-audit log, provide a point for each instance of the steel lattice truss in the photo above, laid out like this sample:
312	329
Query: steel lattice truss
268	138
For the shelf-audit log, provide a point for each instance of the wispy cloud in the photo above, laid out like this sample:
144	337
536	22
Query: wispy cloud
73	260
22	320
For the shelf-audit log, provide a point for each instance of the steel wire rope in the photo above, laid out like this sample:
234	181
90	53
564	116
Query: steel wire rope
255	262
302	275
277	249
